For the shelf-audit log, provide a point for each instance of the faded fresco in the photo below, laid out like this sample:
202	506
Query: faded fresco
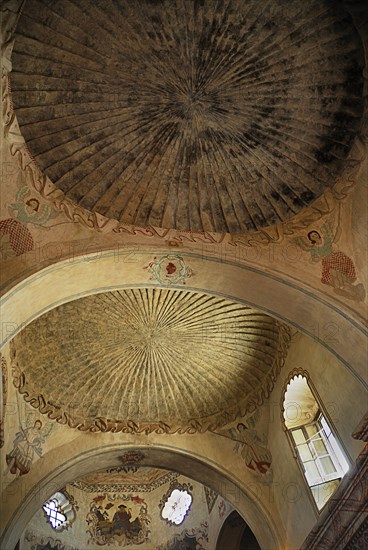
169	269
27	445
188	539
28	209
15	239
337	269
252	449
211	497
37	542
250	445
118	519
221	509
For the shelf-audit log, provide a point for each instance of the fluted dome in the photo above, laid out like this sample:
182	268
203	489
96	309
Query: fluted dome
138	358
219	116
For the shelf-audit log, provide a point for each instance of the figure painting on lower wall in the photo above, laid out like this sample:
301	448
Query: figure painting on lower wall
118	519
37	542
189	539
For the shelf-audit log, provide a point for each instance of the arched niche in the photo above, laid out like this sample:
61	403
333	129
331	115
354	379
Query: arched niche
106	270
42	483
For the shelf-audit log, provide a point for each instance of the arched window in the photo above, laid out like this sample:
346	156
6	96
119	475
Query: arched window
316	447
59	511
176	502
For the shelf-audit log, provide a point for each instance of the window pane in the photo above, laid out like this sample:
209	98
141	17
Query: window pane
298	436
304	453
56	518
177	506
320	447
311	473
328	465
311	430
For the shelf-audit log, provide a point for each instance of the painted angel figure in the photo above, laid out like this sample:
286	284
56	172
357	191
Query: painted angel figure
256	457
30	210
338	270
27	443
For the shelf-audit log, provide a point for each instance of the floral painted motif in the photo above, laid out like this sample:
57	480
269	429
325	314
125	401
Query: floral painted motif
221	509
124	487
131	460
211	497
169	269
118	520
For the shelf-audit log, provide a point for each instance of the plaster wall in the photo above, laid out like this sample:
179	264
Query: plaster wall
284	495
75	252
343	399
199	522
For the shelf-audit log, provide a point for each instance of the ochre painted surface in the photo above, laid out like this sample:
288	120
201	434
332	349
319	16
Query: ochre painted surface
149	359
194	116
229	210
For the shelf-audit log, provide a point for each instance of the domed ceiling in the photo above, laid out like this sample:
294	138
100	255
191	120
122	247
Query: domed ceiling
194	115
148	359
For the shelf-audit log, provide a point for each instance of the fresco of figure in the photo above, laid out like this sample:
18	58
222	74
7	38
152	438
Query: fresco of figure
30	210
256	457
26	444
338	270
121	519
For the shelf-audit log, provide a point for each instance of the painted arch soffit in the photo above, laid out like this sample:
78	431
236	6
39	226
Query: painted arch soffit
149	360
218	123
145	479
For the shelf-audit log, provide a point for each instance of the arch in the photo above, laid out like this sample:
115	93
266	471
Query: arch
44	483
79	276
236	534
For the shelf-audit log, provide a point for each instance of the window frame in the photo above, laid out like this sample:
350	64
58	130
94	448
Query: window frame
64	507
53	513
322	412
182	488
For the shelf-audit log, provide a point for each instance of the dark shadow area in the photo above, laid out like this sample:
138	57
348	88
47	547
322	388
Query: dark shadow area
236	535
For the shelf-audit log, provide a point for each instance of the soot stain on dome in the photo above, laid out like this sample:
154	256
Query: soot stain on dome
224	84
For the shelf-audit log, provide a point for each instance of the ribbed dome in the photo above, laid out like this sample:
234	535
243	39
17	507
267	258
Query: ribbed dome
201	115
149	356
